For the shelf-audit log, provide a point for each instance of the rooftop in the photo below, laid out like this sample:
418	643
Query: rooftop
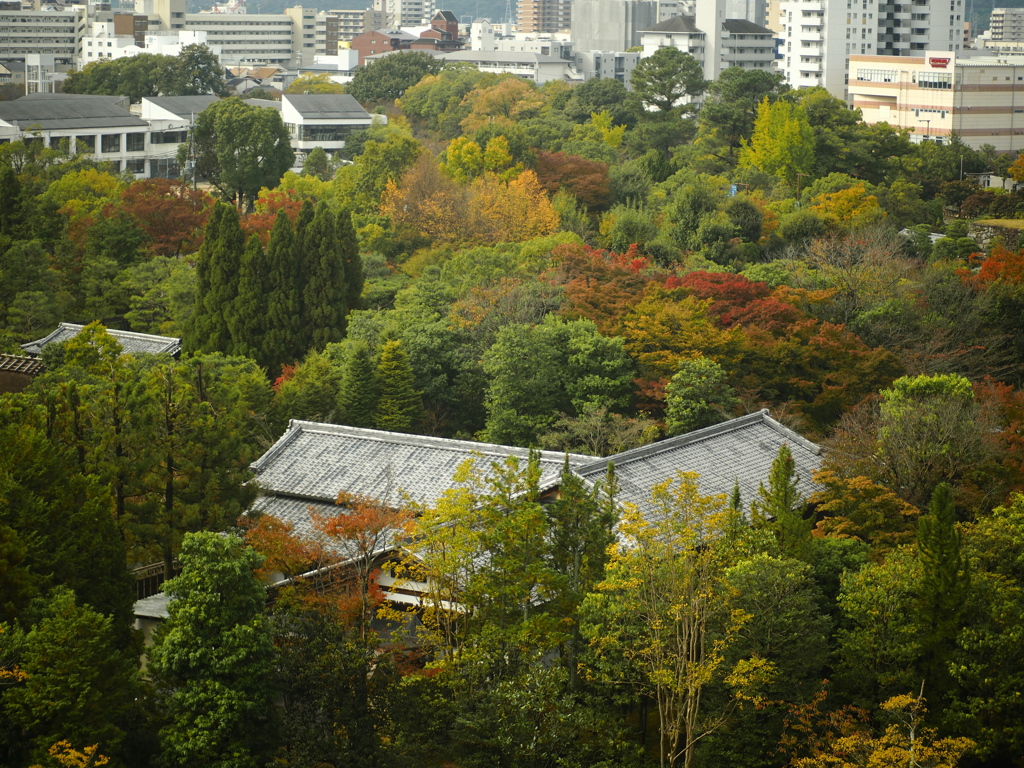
737	451
744	27
679	24
132	343
30	366
184	107
54	112
338	106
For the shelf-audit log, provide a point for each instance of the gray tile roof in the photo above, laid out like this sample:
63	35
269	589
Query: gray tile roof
30	366
132	343
315	461
183	106
53	112
742	26
683	24
321	106
740	450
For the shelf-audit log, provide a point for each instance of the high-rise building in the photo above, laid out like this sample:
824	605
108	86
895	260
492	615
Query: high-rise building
611	25
405	13
1006	24
819	36
544	16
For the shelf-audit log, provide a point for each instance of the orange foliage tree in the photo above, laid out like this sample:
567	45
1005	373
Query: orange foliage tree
171	214
508	100
586	179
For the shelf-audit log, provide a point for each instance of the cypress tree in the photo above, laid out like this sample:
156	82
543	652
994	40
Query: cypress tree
248	315
400	405
780	507
225	261
197	327
323	303
944	584
353	262
283	342
357	397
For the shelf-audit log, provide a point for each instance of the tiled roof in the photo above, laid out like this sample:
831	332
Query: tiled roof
742	26
679	24
327	105
737	451
30	366
132	343
315	461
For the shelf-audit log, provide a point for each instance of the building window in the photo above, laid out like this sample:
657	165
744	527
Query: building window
939	80
876	75
111	142
135	142
136	166
85	144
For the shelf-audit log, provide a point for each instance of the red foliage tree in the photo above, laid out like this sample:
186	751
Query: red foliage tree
587	179
170	213
262	221
1001	264
739	301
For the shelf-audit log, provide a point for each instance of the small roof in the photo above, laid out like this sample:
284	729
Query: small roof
744	27
59	111
447	15
338	106
153	607
313	462
679	24
132	343
737	451
183	106
30	366
396	34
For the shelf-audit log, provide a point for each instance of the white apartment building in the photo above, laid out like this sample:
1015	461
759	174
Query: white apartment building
102	43
740	43
406	13
941	93
1006	24
819	36
287	40
48	32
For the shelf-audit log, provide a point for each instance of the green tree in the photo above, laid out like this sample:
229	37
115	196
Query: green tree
132	76
325	292
782	143
218	265
195	71
248	320
945	583
282	344
240	148
697	396
358	391
399	404
780	507
728	113
668	81
354	278
311	393
213	660
79	686
389	78
318	164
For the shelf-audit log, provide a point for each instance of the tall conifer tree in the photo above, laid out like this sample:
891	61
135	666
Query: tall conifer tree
217	271
780	506
248	320
324	307
282	343
303	263
353	262
357	401
400	406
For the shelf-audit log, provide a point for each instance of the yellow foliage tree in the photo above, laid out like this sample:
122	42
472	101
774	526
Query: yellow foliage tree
852	207
463	160
427	202
498	159
506	101
510	212
321	83
63	755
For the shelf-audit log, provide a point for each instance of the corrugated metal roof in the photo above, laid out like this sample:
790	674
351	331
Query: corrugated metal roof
321	106
62	112
183	106
738	451
132	343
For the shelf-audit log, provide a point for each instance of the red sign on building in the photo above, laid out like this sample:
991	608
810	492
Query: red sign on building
939	63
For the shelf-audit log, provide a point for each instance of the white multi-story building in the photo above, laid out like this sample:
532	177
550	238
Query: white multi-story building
739	43
49	32
406	13
940	93
102	43
819	36
1006	24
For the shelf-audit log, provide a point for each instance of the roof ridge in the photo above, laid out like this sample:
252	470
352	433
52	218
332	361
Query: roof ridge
697	435
431	441
294	428
790	434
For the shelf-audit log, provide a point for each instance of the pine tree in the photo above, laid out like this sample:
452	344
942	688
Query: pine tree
357	398
217	272
282	343
780	507
248	315
944	583
353	262
400	406
323	303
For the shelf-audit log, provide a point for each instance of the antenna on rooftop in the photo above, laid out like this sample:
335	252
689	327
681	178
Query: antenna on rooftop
508	11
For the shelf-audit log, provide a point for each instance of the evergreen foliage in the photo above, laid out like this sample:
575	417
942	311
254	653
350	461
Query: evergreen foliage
248	312
359	389
282	344
213	659
780	507
325	292
697	396
217	272
399	405
354	277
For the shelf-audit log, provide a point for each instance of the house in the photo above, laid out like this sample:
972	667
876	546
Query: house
132	343
17	372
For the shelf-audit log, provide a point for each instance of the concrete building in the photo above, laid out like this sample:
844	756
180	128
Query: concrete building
739	43
544	16
941	93
606	65
611	25
529	66
819	36
344	26
405	13
1006	24
321	120
56	33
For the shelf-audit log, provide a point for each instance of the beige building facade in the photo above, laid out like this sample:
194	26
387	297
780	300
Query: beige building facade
940	93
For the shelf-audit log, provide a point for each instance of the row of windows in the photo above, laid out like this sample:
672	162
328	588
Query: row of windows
877	75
